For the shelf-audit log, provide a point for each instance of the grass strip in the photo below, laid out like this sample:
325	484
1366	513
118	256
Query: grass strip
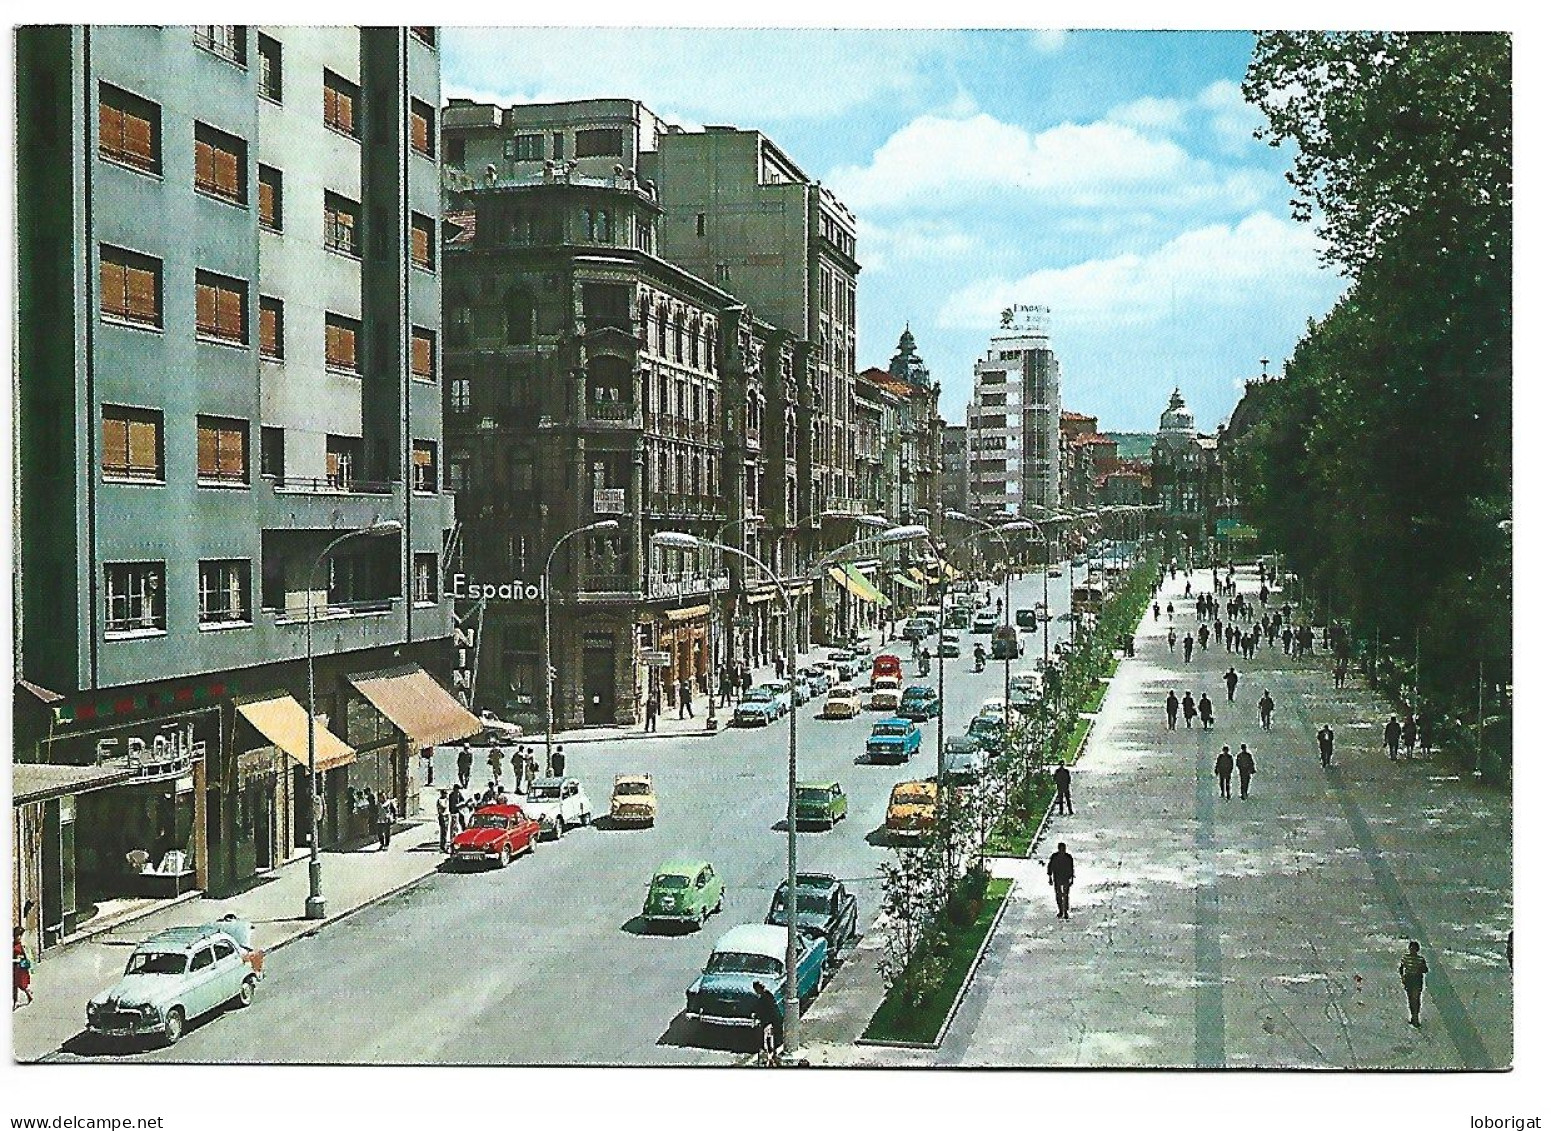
897	1020
1074	740
1014	833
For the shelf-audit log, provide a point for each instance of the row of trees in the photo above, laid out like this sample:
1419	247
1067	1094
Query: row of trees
1381	464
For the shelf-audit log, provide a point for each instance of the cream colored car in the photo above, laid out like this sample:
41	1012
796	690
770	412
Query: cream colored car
885	695
634	801
843	702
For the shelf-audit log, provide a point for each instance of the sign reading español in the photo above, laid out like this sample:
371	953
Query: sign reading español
464	588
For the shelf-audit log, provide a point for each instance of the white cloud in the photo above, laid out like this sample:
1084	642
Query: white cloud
1261	261
886	246
1048	40
1165	114
1232	120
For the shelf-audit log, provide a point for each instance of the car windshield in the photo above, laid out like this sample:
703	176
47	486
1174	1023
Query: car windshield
156	962
809	902
632	787
843	693
487	821
889	729
736	962
758	695
959	746
813	795
544	793
670	881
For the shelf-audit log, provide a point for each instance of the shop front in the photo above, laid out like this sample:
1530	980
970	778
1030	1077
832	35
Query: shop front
394	714
272	765
684	635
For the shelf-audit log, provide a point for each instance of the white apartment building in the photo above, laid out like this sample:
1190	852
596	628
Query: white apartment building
1013	419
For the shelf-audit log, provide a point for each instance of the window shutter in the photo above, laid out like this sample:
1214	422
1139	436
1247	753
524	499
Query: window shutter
228	314
110	129
205	308
346	112
113	280
115	444
269	330
208	439
138	143
330	105
266	196
141	287
347	346
332	465
226	173
230	461
420	355
142	446
419	132
420	246
204	165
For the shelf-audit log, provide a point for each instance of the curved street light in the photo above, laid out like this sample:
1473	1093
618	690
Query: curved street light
1000	532
549	671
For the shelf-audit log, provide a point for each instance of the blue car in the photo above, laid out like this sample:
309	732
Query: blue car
758	708
989	733
893	740
755	952
919	703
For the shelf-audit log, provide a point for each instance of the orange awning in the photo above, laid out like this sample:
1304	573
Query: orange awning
283	721
417	705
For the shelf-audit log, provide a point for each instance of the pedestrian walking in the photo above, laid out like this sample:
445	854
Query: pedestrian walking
1187	586
1217	629
1231	679
1155	610
1224	769
1172	639
1246	763
723	689
1189	706
1189	645
443	819
651	709
1204	706
1413	972
559	762
21	969
494	760
748	679
465	765
1267	705
427	754
1392	738
1171	705
1408	736
1063	780
1171	610
455	809
519	761
386	812
1327	745
780	666
1341	672
1205	634
685	706
1062	871
533	768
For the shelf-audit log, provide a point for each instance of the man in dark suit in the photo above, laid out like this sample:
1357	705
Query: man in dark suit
1062	870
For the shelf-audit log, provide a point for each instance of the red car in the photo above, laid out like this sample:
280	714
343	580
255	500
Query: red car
495	835
887	665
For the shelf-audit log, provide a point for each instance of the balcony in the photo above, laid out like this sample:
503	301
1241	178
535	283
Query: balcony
686	584
332	485
596	586
611	416
296	612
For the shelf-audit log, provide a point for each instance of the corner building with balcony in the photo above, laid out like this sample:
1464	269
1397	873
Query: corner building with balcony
229	313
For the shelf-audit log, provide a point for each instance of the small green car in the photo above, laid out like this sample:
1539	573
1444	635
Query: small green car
683	891
820	803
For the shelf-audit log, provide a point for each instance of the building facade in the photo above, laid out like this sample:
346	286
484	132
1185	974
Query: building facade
1186	473
1013	419
955	467
229	312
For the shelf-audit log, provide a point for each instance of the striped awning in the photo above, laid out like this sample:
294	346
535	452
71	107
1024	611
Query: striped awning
417	705
901	579
850	578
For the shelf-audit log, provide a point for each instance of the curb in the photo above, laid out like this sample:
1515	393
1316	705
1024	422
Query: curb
629	736
958	1000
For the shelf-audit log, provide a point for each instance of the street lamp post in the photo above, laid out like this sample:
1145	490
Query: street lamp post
712	676
549	670
792	1007
316	907
1000	532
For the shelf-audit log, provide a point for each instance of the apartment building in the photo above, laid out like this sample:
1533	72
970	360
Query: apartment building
1013	419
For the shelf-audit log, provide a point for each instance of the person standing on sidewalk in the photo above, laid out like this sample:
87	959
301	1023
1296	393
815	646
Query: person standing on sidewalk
651	710
686	707
1172	639
559	762
1231	678
1063	780
1171	706
1204	706
1062	871
1155	610
465	765
1267	705
1246	764
443	819
495	761
1392	738
1413	972
724	689
1190	643
1327	745
1224	770
385	814
21	969
455	804
1190	710
427	754
373	812
519	763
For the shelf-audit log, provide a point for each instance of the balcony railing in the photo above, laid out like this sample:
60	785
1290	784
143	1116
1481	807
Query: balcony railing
332	485
595	582
333	610
618	413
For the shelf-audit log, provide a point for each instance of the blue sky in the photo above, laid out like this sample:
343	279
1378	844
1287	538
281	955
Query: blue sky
1110	175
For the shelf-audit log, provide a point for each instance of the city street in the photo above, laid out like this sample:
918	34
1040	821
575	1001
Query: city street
546	962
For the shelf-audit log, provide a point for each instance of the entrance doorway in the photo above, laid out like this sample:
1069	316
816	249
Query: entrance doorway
598	678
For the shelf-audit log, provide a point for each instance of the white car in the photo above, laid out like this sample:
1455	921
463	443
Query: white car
174	977
1028	682
781	692
995	707
498	729
557	804
844	702
885	695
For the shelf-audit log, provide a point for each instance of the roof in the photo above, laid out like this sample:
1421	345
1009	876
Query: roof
40	781
755	938
181	938
683	866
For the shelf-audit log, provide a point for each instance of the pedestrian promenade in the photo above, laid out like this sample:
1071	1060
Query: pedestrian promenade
1248	933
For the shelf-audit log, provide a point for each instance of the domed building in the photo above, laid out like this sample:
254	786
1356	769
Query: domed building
1186	475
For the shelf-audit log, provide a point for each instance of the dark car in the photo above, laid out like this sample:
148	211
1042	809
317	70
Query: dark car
824	910
919	704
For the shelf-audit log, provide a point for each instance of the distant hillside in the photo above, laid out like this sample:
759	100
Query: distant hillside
1132	445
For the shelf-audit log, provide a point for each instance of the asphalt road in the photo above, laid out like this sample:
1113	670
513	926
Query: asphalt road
546	962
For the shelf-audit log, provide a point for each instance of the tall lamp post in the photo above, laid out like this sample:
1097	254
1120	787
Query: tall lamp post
711	678
792	1007
316	906
1000	531
549	670
1055	516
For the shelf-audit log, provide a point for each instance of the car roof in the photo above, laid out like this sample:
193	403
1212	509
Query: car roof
819	880
551	781
754	938
895	720
916	786
887	656
684	866
920	689
827	783
500	810
179	939
631	777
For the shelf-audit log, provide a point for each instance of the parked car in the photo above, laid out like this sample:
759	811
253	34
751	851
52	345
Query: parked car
818	679
893	740
1027	618
929	613
1053	571
957	619
498	730
963	763
1005	643
990	733
798	691
175	976
984	623
723	994
758	707
821	803
885	694
912	810
494	835
861	649
781	692
558	804
994	707
634	801
1029	680
824	910
683	891
843	702
919	703
887	665
948	645
845	663
916	629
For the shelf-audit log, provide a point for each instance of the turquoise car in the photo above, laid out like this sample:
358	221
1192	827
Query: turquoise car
989	733
919	703
820	803
755	952
893	740
686	892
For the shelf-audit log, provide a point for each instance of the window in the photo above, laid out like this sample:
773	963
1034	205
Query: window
458	395
131	443
341	455
519	317
220	308
223	450
229	41
131	286
339	102
426	35
202	958
422	353
425	579
268	67
129	129
458	469
422	136
135	601
341	224
223	592
271	328
422	241
339	343
271	212
272	452
525	147
220	164
600	143
456	152
700	224
556	146
424	466
723	273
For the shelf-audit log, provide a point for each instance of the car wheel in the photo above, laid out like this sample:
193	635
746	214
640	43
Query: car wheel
173	1027
506	855
244	996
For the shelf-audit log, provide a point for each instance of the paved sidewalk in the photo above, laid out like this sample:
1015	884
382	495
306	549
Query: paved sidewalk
1249	933
352	879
